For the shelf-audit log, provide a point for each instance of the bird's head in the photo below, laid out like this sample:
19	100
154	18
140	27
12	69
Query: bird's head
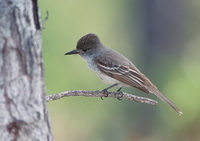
87	45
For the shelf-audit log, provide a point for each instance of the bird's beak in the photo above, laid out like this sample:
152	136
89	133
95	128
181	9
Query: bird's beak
72	52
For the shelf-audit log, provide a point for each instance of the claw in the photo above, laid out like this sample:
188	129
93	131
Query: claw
121	93
105	92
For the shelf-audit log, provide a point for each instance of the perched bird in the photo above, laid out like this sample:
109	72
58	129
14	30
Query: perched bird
114	68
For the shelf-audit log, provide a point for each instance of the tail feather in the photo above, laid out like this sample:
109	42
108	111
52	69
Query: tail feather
166	100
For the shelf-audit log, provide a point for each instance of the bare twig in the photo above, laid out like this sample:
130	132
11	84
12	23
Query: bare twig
101	94
46	18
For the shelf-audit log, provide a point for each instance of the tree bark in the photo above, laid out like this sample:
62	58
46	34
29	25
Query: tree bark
23	111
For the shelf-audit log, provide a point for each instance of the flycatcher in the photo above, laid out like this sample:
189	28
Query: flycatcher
114	68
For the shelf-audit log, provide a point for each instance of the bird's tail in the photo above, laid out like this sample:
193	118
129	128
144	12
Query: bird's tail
155	91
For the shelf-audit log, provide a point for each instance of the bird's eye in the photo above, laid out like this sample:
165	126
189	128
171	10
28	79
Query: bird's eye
85	49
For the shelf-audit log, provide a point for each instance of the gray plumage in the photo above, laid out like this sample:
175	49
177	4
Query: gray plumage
112	67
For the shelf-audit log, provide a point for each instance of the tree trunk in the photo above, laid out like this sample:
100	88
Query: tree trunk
23	111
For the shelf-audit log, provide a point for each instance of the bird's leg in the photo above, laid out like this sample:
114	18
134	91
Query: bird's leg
119	91
105	91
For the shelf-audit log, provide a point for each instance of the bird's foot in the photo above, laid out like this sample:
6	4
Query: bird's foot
121	93
105	92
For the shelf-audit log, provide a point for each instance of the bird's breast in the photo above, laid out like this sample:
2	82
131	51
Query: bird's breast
105	78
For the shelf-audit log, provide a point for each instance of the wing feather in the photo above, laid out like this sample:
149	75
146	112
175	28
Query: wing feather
124	74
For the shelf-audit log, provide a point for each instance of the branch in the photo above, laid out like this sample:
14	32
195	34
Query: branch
101	94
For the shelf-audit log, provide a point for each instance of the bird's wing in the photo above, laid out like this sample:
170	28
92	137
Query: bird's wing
120	68
125	72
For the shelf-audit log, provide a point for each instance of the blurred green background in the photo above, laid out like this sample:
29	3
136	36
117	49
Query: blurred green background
162	38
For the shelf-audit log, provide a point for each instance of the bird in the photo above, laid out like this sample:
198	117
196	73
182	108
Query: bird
114	68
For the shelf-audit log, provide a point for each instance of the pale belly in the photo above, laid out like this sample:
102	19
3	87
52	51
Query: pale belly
105	78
